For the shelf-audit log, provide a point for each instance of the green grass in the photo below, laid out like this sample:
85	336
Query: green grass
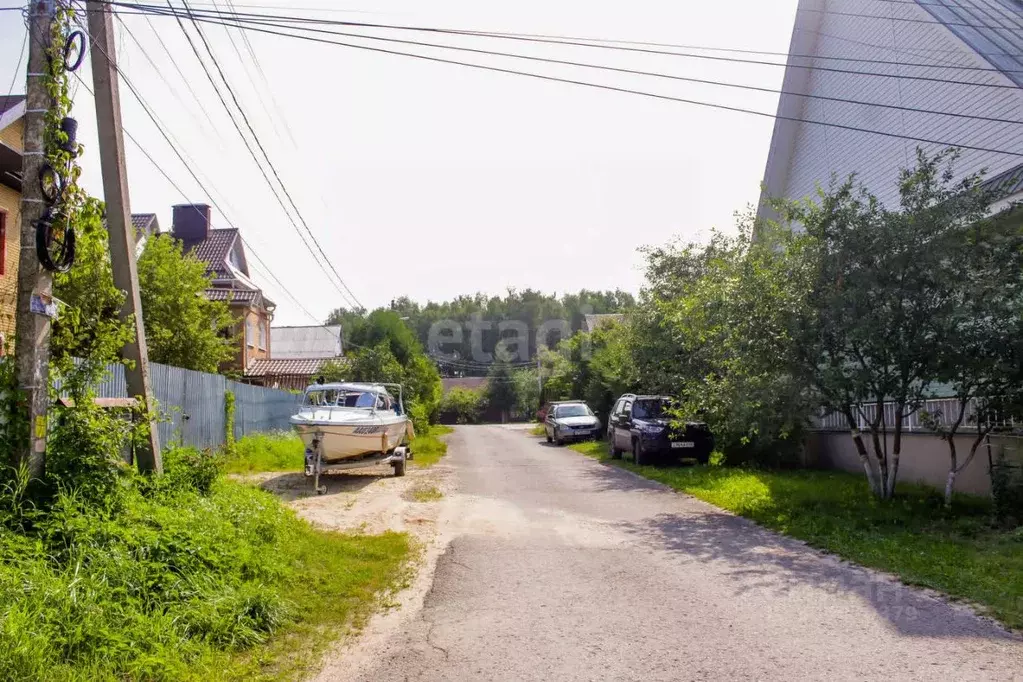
280	451
956	552
428	448
538	430
188	577
426	493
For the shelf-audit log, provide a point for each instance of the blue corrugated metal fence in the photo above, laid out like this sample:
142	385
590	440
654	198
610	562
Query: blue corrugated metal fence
192	405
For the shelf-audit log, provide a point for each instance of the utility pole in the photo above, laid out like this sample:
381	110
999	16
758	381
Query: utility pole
122	232
35	284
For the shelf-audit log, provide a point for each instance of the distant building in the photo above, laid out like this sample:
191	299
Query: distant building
146	225
471	383
12	133
298	355
591	322
224	254
927	44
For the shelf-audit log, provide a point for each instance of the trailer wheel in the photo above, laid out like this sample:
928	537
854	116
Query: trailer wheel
399	466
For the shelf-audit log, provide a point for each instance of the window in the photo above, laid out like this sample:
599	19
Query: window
250	333
262	335
3	242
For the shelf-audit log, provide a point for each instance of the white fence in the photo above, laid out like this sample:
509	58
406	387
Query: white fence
946	408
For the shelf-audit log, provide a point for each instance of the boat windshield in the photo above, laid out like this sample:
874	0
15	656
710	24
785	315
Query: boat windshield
333	397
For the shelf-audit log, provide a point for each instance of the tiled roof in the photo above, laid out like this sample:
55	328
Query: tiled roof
284	367
233	295
214	249
10	101
143	221
306	342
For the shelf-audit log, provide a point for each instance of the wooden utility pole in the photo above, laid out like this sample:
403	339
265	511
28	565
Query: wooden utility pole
122	232
32	329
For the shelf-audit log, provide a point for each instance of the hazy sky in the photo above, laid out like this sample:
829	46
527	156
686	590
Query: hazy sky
432	180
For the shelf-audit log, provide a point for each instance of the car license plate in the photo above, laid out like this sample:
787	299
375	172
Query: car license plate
684	444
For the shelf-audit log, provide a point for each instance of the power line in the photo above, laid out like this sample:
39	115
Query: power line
209	196
600	43
273	169
632	91
17	67
248	146
655	74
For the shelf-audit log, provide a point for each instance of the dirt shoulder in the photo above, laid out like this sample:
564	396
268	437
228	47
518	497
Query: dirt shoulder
373	501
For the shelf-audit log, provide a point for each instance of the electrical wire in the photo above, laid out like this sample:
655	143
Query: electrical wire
631	91
599	43
17	67
654	74
252	153
273	169
189	167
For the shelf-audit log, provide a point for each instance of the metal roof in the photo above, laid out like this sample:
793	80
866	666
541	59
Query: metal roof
10	101
306	342
1006	184
993	28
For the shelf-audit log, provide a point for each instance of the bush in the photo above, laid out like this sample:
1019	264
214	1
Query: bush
1007	490
420	417
461	406
275	451
174	583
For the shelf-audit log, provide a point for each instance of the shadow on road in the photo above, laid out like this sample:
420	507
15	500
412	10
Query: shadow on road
762	560
294	485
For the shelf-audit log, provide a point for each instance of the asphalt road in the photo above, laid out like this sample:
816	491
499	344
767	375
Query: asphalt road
562	568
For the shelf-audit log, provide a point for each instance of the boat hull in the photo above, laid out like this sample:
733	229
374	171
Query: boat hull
338	442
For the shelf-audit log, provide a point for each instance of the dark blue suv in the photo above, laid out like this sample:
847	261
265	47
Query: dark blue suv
641	425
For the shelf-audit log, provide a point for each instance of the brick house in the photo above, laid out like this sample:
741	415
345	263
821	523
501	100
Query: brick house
224	254
923	39
299	353
12	133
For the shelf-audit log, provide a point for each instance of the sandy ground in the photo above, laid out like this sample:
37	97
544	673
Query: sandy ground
540	564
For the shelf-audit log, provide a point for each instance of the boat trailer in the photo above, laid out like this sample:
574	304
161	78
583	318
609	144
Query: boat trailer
314	464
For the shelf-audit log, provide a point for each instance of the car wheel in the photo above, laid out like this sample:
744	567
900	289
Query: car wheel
637	454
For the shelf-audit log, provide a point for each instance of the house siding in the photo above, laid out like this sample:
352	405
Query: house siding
804	156
14	135
10	206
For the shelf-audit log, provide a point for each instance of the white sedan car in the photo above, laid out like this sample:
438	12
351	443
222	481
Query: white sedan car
571	421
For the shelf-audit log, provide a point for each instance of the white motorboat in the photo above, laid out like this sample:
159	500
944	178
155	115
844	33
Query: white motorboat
351	425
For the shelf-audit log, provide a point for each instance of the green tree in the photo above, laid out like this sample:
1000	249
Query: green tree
979	353
724	312
183	327
461	406
88	327
884	288
500	392
527	391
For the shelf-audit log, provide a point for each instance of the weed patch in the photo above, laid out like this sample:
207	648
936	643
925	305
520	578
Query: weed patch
280	451
428	448
187	576
425	493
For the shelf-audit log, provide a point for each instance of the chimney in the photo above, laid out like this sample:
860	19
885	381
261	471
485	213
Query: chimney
191	222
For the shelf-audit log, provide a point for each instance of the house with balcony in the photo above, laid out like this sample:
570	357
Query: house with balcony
224	254
938	70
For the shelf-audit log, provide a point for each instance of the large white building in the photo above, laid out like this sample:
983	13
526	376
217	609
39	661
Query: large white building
925	60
